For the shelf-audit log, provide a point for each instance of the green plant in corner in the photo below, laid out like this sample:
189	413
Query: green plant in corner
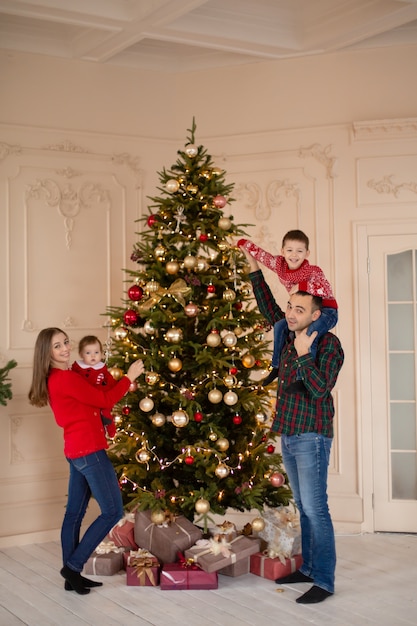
5	382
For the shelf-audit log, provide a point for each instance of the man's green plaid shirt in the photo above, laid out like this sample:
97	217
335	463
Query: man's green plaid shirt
313	410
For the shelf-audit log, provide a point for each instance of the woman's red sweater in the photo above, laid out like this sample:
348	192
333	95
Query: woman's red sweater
76	406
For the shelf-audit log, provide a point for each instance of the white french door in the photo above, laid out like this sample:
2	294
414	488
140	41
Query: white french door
393	365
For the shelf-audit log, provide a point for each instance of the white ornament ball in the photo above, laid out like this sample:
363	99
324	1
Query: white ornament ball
120	333
157	517
190	262
225	223
202	264
149	328
172	185
261	418
174	335
191	151
180	418
230	398
146	404
215	396
222	471
158	419
202	506
229	340
213	340
142	455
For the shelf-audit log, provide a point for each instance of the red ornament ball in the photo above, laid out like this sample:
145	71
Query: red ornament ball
270	449
126	410
277	479
189	460
135	293
238	306
203	237
151	221
233	371
130	317
258	363
211	288
237	420
219	202
198	416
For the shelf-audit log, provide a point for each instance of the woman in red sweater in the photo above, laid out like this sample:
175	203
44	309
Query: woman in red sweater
76	406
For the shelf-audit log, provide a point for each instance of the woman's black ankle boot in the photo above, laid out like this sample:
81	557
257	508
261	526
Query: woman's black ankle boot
73	581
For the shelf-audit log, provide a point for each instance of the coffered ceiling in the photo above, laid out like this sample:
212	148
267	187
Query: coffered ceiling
184	35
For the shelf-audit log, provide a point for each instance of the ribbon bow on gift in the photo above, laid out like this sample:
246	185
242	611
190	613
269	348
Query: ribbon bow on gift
187	563
143	568
178	290
105	547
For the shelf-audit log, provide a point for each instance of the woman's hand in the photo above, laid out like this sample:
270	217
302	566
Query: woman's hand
135	370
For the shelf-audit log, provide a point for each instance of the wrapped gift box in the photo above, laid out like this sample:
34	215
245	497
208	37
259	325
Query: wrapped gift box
237	569
123	534
106	560
142	571
133	554
226	530
212	557
165	540
177	576
282	533
262	565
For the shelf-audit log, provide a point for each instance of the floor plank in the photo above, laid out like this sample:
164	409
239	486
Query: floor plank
375	585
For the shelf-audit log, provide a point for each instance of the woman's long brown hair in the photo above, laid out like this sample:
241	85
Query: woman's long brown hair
38	393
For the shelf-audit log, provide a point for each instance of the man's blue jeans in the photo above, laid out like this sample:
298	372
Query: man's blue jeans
91	475
306	461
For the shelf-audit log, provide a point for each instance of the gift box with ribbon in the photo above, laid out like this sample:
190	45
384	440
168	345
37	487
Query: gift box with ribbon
214	555
106	560
226	530
166	539
123	533
186	574
282	533
262	565
142	569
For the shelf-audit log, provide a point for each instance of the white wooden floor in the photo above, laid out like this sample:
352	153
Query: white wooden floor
376	583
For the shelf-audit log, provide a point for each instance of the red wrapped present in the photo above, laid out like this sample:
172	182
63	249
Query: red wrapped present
142	571
186	576
165	540
106	560
262	565
123	534
213	555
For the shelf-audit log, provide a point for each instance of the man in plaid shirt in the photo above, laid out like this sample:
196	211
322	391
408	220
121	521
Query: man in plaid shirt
304	418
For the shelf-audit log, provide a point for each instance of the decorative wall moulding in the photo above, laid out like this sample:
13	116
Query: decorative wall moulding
322	155
386	185
385	129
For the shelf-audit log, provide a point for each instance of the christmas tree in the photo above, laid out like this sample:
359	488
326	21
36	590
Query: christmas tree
193	432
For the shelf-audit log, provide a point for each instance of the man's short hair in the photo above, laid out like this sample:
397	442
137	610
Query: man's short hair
316	302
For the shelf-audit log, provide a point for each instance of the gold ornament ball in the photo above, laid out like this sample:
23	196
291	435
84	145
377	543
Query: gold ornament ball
258	525
238	331
172	185
215	396
213	340
190	262
223	245
174	335
248	360
212	436
175	364
192	188
222	471
120	333
225	223
222	444
230	398
229	340
230	380
216	171
172	267
158	419
202	506
142	455
157	517
151	378
152	286
229	295
116	372
180	418
159	252
261	418
146	404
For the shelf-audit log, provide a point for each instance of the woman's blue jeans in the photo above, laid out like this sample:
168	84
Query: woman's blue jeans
306	461
91	475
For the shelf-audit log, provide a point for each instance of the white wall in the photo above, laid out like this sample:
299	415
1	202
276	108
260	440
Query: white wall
285	126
